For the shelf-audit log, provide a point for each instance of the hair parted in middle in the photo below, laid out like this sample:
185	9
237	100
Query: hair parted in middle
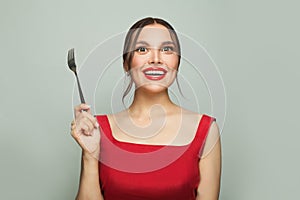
131	39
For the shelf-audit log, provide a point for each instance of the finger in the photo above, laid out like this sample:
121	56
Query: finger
88	127
82	107
76	135
92	119
85	127
73	131
85	124
77	128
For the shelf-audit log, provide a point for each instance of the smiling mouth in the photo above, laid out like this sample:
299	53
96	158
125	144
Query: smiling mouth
155	73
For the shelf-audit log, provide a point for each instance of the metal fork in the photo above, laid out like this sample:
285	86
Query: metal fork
72	66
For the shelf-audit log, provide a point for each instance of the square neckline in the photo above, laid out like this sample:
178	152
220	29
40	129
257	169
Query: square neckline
153	145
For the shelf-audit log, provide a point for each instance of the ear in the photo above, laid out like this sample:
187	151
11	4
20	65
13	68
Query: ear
125	66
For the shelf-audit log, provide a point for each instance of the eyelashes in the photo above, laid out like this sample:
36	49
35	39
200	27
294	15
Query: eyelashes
168	48
141	49
164	49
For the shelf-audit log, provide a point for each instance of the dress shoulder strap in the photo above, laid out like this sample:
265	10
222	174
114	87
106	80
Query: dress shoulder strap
202	132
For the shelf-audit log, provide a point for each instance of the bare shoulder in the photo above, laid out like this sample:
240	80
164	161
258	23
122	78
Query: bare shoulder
119	115
191	114
116	118
213	132
214	126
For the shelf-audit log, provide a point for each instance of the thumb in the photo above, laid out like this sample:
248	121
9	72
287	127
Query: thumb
86	108
82	107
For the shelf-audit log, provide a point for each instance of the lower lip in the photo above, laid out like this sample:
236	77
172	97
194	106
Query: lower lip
155	78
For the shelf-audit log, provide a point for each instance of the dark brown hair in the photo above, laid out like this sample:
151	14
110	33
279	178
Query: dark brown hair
131	38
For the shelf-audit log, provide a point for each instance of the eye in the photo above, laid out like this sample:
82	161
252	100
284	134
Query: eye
141	50
167	49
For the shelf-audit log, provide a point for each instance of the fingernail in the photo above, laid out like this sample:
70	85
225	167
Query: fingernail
97	125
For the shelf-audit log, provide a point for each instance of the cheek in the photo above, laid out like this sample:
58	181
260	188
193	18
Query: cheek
138	61
172	62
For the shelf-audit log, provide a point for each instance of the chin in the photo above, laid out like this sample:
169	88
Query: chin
153	88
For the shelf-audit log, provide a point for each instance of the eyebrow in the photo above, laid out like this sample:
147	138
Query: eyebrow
163	43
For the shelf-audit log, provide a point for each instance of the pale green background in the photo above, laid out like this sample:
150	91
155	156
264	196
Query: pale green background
255	44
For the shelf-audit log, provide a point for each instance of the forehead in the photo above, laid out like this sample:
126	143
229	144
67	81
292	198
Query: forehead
154	34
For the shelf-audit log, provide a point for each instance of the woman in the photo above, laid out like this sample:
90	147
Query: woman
163	151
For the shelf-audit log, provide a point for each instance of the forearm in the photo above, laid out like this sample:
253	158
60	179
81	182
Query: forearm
89	186
213	194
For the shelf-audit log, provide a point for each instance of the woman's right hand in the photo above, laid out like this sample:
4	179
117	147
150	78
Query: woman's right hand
85	129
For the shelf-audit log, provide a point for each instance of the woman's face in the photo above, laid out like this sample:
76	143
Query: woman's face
155	60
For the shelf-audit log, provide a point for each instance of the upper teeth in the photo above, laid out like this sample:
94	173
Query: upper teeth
152	72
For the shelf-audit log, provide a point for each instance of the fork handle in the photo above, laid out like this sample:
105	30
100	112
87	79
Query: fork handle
80	91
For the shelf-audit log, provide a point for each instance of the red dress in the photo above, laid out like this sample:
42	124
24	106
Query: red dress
130	171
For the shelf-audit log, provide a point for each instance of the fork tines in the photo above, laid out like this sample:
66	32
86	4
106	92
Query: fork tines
71	59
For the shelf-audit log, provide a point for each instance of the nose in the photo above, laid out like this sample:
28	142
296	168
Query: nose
155	57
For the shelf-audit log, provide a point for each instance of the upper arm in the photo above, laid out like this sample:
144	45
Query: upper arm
210	167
